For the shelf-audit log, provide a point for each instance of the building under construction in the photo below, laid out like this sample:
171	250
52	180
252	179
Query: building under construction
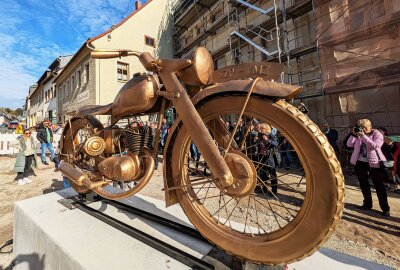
344	53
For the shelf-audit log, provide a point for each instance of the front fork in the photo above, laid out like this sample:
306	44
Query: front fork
197	128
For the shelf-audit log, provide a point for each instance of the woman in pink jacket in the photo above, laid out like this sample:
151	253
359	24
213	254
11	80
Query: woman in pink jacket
366	158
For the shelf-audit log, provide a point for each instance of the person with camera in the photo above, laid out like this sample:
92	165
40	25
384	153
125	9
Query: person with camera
366	157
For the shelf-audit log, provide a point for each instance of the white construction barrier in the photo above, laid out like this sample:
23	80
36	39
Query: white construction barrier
6	141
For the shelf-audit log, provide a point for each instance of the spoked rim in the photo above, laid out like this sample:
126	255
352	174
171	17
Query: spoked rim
255	203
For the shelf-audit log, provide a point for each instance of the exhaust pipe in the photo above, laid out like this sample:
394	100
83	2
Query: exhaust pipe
79	178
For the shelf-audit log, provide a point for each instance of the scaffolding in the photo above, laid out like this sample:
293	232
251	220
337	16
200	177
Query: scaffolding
314	40
267	32
360	54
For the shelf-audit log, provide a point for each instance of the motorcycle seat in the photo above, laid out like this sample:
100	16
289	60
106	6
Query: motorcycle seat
95	110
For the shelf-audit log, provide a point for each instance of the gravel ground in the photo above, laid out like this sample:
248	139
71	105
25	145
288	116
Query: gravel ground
364	234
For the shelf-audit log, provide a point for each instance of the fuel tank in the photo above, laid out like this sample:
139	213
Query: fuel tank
136	96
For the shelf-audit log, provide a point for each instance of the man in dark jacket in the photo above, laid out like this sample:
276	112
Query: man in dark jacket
45	137
332	135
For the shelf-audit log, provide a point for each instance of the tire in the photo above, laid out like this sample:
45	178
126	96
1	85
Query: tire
317	215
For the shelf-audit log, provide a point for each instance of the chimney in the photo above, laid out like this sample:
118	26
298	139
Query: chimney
138	4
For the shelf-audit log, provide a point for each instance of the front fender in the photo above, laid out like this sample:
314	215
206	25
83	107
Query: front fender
268	89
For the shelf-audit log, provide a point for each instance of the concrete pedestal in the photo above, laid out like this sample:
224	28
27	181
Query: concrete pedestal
48	235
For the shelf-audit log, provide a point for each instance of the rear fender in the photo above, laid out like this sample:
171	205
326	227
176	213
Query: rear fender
268	89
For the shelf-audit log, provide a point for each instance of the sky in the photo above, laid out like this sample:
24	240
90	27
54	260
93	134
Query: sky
33	33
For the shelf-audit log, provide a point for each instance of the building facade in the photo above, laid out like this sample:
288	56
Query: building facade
319	42
359	53
42	99
5	118
88	81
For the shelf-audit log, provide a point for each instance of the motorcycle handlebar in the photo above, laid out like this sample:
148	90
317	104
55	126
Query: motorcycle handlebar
111	54
145	58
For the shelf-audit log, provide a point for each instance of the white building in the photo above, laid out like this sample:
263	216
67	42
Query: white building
42	99
88	81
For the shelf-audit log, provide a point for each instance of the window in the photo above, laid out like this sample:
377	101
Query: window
87	73
68	90
149	41
55	93
122	71
73	83
79	78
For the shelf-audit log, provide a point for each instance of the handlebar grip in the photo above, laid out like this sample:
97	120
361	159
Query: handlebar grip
107	55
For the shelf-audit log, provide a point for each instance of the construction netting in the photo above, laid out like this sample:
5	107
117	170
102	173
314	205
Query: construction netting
359	47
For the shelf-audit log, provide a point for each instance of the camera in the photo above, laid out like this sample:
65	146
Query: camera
303	108
357	129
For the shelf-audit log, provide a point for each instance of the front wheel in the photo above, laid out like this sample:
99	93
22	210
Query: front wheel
298	196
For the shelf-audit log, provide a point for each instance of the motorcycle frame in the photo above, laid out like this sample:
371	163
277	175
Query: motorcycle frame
171	70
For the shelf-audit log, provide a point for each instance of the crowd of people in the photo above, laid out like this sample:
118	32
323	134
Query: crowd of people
372	153
266	147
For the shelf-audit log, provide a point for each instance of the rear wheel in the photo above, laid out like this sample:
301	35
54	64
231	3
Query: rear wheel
291	210
74	137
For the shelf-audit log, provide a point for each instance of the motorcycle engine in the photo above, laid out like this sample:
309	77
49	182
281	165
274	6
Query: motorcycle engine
138	137
131	141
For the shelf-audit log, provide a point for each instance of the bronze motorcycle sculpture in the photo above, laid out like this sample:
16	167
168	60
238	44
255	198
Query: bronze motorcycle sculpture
229	199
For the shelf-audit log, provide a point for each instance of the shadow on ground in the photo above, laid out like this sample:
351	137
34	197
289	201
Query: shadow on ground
55	186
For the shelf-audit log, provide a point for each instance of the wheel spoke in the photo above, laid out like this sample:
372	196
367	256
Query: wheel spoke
301	179
255	209
219	203
208	189
276	197
232	210
283	183
247	213
270	207
220	208
210	197
226	210
189	185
